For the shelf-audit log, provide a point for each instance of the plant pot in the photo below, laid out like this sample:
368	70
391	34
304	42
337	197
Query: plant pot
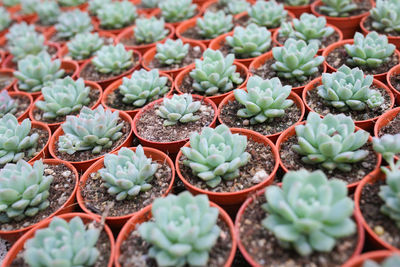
273	137
116	222
217	98
249	258
41	28
68	206
186	25
81	7
142	9
145	215
115	85
348	25
298	10
8	72
24	115
392	72
364	124
84	165
19	245
377	256
28	18
54	126
392	39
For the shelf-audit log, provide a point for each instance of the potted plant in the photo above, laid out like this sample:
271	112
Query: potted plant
388	123
7	79
48	13
132	93
298	7
16	103
95	5
147	6
177	11
26	12
114	17
67	5
130	179
233	7
332	144
296	64
5	21
267	107
393	81
309	221
215	245
380	258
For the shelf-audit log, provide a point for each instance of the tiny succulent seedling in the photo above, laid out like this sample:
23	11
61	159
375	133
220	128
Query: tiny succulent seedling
178	108
112	59
128	173
269	14
116	15
32	43
171	52
48	12
150	30
84	45
386	16
19	29
177	10
309	213
337	8
392	261
216	154
70	3
7	104
330	142
95	5
213	24
71	23
184	230
297	2
5	19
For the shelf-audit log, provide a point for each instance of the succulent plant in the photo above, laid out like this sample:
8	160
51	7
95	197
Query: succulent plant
10	3
62	97
388	146
269	14
71	23
372	50
178	108
349	89
7	104
236	6
330	142
308	28
95	5
5	19
19	29
112	59
84	45
150	3
213	24
391	261
32	43
48	12
337	8
128	173
72	244
386	15
216	154
251	41
296	59
35	71
143	87
177	10
70	3
309	213
116	15
215	73
24	190
150	30
171	52
28	6
184	230
91	130
264	99
15	141
297	2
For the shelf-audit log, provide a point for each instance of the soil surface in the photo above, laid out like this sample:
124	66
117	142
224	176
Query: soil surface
393	127
23	104
363	6
325	41
194	53
395	81
131	40
194	34
227	49
5	80
368	26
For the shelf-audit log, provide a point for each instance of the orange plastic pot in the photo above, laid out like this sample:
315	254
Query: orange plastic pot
392	39
392	72
377	256
115	85
273	137
2	56
84	165
8	72
145	215
298	10
149	56
217	98
40	28
19	245
252	262
169	147
54	126
365	124
68	206
44	153
233	198
116	222
22	94
28	18
272	30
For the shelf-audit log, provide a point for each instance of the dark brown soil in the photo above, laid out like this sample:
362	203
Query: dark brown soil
395	81
338	57
292	161
131	40
316	103
363	6
368	26
393	127
264	248
60	190
150	125
23	104
229	117
134	249
227	49
97	199
284	2
193	33
5	80
194	53
57	39
325	41
259	168
245	21
80	156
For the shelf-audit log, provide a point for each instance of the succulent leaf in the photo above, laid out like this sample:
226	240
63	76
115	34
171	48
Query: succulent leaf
269	14
116	15
213	24
7	104
386	15
337	8
177	10
179	108
112	59
84	45
71	23
150	30
171	52
5	19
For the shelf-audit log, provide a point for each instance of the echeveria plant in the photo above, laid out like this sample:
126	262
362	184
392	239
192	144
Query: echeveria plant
112	59
177	10
178	108
392	261
95	5
84	45
269	14
5	19
213	24
19	29
171	52
48	12
71	23
31	43
386	16
7	104
116	15
150	30
338	8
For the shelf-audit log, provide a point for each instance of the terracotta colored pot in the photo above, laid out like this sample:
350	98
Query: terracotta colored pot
44	153
81	7
115	85
108	81
116	222
298	10
2	56
291	132
381	76
68	206
392	39
249	258
348	25
272	30
40	28
207	3
149	56
19	245
169	147
84	165
393	71
365	124
54	126
259	61
377	256
273	137
217	98
384	120
233	198
67	65
145	215
28	18
8	72
142	9
22	94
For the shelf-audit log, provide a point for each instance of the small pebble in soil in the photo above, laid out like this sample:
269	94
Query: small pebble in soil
259	176
379	230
